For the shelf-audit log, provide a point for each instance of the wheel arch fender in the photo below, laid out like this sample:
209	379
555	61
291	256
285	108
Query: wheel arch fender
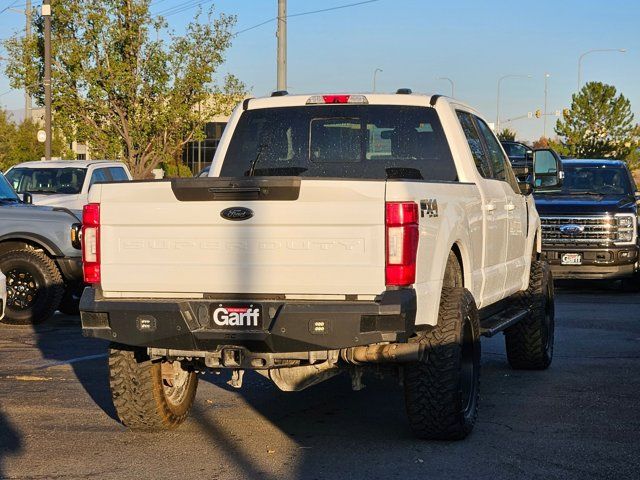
451	237
30	239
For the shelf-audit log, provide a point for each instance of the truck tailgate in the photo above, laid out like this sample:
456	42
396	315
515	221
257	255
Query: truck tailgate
328	241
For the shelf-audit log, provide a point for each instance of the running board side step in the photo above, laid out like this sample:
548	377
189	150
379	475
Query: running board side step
501	321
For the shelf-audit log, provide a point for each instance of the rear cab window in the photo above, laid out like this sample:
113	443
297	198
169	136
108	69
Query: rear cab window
341	141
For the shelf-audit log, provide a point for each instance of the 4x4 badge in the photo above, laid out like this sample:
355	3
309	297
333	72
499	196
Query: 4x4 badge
429	207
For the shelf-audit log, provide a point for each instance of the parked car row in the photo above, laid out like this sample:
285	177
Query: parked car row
40	244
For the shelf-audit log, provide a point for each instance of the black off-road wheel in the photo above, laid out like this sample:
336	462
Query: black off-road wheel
34	286
151	396
530	342
441	391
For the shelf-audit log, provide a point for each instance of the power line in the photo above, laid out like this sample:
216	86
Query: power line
182	7
306	13
11	5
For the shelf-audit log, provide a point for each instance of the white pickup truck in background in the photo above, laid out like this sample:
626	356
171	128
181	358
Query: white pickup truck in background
63	183
334	233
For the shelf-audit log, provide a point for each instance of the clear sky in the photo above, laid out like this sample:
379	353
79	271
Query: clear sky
415	41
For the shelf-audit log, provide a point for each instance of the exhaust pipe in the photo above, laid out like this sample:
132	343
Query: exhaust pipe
389	353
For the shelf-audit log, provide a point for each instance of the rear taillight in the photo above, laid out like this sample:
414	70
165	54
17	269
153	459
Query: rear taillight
91	242
402	243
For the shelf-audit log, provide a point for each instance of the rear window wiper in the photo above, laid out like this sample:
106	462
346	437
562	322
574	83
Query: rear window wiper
407	173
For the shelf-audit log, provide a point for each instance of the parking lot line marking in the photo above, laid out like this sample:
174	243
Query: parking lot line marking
43	364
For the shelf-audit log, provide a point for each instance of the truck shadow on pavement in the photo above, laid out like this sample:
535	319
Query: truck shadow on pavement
61	342
10	440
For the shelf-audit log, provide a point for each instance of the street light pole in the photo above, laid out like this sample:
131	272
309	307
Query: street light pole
46	13
498	96
375	72
452	85
281	34
621	50
544	128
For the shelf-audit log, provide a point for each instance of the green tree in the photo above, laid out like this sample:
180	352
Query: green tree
133	95
507	135
19	143
599	124
553	143
7	130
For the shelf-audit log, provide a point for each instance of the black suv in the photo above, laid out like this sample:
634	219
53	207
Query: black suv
590	222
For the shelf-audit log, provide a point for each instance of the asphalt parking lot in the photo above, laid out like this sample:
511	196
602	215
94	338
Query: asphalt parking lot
580	419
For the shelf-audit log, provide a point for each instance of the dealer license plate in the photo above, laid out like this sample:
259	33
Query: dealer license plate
571	259
235	316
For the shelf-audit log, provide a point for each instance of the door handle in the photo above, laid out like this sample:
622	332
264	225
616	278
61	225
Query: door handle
490	207
509	207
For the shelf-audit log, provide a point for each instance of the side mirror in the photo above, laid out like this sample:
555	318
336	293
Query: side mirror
27	198
547	169
526	188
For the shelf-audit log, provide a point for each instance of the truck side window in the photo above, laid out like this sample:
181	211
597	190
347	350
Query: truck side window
495	152
475	144
500	165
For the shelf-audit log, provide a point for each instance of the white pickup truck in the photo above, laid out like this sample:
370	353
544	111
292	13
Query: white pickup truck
334	233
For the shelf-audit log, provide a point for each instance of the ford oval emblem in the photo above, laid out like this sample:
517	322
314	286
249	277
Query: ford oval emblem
236	213
572	229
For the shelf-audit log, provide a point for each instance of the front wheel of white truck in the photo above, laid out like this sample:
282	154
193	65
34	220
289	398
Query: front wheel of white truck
441	391
530	342
149	395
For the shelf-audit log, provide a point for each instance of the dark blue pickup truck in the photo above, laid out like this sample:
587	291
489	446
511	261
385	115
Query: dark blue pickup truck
590	222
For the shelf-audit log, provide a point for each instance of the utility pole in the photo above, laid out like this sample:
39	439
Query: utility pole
46	13
281	34
27	97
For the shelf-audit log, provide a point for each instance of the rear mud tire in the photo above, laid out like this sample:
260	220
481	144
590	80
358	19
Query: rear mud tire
140	394
529	343
441	391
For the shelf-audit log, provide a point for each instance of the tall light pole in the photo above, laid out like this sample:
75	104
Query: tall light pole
620	50
375	72
544	128
498	96
451	82
46	13
281	34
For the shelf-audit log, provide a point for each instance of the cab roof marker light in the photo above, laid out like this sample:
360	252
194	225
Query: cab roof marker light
325	99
